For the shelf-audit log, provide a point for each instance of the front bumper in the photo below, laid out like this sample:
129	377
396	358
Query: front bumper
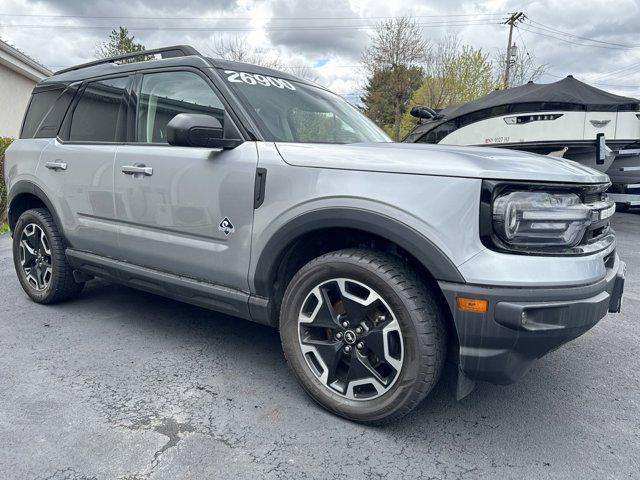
524	324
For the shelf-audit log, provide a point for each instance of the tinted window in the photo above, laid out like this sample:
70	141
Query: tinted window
631	107
165	95
542	106
474	117
53	120
100	115
38	108
437	134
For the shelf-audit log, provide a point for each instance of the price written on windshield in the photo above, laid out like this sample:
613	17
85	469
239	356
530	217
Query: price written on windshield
257	79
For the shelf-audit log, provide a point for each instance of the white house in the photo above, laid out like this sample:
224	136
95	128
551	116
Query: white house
18	76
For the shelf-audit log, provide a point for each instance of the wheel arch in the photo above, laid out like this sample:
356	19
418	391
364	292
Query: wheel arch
430	257
25	195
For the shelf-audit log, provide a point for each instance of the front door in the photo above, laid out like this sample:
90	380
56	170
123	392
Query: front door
182	210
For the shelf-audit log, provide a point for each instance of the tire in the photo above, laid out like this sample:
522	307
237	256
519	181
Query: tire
412	356
56	285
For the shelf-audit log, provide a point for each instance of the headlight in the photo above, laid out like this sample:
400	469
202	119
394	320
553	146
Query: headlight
540	219
535	218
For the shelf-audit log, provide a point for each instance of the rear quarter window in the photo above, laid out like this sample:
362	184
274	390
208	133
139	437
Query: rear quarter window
40	105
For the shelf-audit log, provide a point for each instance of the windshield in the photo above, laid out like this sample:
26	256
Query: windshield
289	111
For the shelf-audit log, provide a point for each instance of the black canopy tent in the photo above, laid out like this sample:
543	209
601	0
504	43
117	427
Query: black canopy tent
565	94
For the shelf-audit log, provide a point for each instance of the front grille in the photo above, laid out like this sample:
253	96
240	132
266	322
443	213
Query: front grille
593	197
596	198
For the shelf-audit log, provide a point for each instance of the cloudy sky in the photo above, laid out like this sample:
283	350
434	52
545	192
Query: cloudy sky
597	41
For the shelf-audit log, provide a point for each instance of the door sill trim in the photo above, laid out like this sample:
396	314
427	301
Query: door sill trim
196	292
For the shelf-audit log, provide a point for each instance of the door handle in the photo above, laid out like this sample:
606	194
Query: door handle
57	165
137	169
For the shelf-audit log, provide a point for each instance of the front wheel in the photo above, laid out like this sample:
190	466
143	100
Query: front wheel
39	258
363	334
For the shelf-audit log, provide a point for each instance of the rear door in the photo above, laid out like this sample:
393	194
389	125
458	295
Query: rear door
77	167
184	210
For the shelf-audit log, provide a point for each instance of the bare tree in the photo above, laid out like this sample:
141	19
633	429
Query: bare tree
399	50
441	56
237	49
302	70
524	68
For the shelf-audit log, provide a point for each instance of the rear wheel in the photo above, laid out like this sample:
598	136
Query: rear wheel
39	258
363	335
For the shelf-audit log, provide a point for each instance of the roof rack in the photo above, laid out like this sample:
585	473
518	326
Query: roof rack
164	52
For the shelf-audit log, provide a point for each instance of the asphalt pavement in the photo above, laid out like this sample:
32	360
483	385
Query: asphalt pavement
121	384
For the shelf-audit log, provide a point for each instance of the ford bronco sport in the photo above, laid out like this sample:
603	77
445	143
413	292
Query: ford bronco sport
264	196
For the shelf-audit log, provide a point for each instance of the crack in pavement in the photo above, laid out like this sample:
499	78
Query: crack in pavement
169	427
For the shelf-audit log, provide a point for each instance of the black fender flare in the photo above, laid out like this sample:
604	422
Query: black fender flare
27	187
423	249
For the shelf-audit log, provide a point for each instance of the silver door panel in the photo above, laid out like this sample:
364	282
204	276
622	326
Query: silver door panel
82	193
169	219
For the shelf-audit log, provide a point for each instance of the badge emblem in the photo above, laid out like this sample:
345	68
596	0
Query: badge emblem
350	336
226	226
599	123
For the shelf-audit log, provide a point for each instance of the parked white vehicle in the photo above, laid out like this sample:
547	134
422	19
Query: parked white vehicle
567	118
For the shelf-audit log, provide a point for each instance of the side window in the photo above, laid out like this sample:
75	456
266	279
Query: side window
101	112
39	106
437	134
165	95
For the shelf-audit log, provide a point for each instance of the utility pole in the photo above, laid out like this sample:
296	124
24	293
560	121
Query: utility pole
511	22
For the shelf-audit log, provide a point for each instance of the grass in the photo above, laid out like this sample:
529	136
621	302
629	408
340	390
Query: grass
4	228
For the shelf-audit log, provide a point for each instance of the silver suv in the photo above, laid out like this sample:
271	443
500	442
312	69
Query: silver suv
264	196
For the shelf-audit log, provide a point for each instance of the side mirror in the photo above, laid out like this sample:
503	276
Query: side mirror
198	130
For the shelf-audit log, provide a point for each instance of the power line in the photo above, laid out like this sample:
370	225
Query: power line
243	29
453	15
614	74
564	39
596	83
554	30
626	71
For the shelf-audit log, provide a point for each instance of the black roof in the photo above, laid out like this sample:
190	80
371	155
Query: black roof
177	55
565	91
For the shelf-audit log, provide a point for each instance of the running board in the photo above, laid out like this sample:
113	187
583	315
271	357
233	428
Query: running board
203	294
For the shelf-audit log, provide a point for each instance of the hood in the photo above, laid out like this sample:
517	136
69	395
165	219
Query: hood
441	160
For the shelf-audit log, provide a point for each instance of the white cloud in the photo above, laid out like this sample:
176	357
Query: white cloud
307	41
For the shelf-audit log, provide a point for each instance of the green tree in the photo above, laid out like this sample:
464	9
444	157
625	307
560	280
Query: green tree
119	43
470	75
380	102
394	60
463	75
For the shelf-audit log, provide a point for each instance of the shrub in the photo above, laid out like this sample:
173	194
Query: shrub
4	143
